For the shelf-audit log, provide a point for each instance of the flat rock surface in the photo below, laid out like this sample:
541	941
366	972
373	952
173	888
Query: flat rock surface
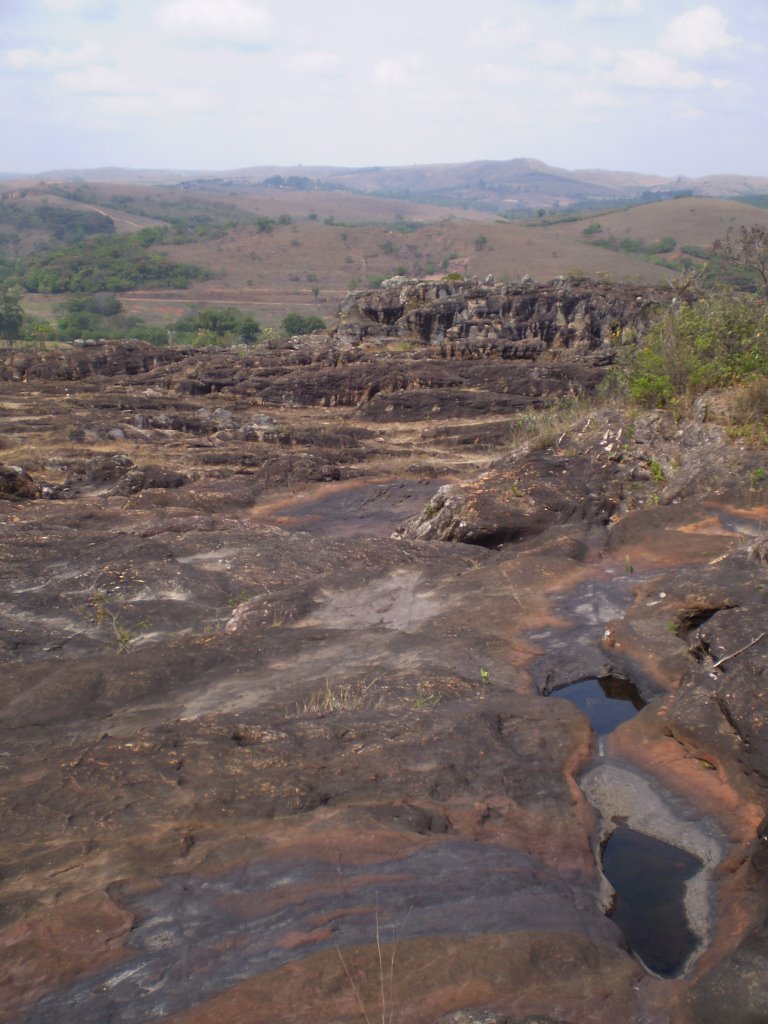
275	739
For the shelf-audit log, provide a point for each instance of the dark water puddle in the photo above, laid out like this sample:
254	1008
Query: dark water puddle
606	702
649	878
647	875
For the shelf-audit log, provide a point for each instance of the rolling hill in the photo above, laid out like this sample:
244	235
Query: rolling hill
503	186
272	249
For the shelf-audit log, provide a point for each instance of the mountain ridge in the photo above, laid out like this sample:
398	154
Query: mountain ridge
521	183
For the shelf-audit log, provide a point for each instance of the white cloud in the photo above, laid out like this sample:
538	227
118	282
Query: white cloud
95	80
148	107
697	33
31	59
314	62
502	74
549	53
88	8
607	8
650	70
400	71
230	21
492	34
593	100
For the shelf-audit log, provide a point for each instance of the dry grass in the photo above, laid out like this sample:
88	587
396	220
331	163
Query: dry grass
750	405
341	697
385	1013
373	695
549	427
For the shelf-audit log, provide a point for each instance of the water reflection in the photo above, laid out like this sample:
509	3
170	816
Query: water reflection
649	878
606	702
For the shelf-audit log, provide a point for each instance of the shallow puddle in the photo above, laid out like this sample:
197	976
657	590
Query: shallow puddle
606	702
659	891
649	878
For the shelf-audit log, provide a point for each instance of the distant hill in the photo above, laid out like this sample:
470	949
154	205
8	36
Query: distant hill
512	187
301	243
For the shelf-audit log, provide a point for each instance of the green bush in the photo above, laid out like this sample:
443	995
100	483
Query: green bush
218	322
715	342
295	324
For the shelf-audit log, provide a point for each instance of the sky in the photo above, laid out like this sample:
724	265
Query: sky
669	87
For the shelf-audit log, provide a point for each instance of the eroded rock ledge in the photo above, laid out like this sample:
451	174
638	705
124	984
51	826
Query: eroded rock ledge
514	321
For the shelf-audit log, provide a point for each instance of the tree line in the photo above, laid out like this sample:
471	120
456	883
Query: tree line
103	315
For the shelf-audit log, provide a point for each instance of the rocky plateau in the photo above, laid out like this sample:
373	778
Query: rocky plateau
282	633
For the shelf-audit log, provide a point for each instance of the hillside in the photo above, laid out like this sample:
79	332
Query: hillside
271	250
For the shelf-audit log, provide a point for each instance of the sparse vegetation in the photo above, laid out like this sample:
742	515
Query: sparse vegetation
749	411
747	249
102	614
426	699
341	697
385	1013
64	224
550	425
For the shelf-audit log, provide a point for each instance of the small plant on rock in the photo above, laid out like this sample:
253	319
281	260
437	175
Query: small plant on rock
426	699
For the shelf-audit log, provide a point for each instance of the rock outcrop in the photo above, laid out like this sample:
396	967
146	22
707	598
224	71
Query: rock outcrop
468	319
278	631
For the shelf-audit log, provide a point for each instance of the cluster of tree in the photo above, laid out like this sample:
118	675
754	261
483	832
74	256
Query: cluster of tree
295	181
95	316
11	317
113	263
216	323
300	183
295	324
64	224
102	315
628	244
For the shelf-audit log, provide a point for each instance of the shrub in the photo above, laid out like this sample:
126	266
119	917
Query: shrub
715	342
219	322
295	324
